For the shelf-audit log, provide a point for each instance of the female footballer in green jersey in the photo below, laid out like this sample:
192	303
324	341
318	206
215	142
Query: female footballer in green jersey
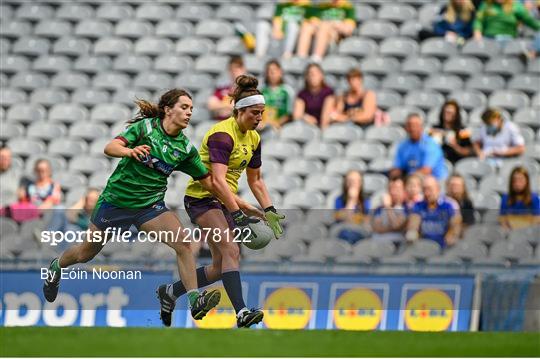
229	148
151	148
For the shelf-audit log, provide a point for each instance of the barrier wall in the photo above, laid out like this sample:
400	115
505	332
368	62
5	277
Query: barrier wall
440	303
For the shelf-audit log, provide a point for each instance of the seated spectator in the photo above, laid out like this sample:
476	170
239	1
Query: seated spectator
520	207
500	20
351	206
454	22
9	177
436	217
327	23
288	17
450	133
389	220
42	192
456	189
220	104
413	190
278	96
315	98
497	138
419	153
357	104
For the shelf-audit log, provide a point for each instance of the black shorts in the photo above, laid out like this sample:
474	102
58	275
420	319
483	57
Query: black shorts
195	207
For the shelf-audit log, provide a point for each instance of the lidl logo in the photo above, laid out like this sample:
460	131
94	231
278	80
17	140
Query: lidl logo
221	317
358	309
429	310
287	308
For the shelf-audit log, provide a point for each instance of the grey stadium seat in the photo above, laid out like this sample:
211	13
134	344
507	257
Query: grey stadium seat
89	97
468	250
513	251
72	46
98	179
399	47
302	166
340	166
379	65
110	113
52	29
153	80
34	12
381	165
10	130
428	13
438	47
5	46
528	116
509	99
52	64
294	65
322	150
31	46
516	47
303	199
9	96
195	81
69	180
510	164
423	249
58	164
173	64
374	249
342	133
194	12
88	131
300	131
92	64
133	29
505	66
410	28
75	12
424	99
534	66
398	114
473	167
307	232
70	80
421	65
215	64
24	146
526	83
194	46
443	83
323	182
527	234
97	146
154	12
463	66
49	96
13	29
234	12
132	64
128	96
173	29
484	49
494	184
114	12
337	64
6	12
112	46
396	12
111	80
25	113
280	183
485	83
366	151
230	45
93	29
68	113
282	150
374	182
45	130
214	28
254	64
67	147
388	98
153	46
29	80
357	46
378	29
401	82
469	99
489	201
14	63
88	164
8	226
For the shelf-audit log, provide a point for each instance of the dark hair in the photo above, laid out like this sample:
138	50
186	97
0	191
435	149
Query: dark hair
512	195
313	64
465	192
245	85
456	125
151	110
489	114
236	60
267	66
354	72
360	193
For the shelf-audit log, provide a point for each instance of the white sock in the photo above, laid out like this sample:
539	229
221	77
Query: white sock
241	312
169	292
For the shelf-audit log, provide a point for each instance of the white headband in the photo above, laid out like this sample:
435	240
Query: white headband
250	101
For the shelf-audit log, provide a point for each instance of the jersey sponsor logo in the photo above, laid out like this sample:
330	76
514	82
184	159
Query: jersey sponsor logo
287	308
157	164
429	310
358	309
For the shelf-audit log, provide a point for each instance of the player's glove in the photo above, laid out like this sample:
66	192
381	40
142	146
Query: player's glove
241	220
273	218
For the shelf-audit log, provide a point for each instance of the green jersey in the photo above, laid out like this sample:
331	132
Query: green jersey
278	101
493	20
135	184
290	12
330	12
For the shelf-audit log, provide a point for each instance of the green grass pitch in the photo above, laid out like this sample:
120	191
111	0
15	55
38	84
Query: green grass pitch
67	342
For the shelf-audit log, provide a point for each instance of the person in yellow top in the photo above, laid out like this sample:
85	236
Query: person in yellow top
229	148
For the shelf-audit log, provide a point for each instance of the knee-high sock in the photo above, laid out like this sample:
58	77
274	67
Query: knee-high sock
178	288
233	286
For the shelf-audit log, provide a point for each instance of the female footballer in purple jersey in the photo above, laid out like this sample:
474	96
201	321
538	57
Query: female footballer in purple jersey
151	148
229	148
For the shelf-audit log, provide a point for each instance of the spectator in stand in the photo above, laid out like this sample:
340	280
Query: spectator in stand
327	23
9	178
520	207
352	207
454	22
389	220
286	23
456	189
42	192
357	104
315	99
436	217
450	133
500	20
278	96
497	138
419	153
413	189
220	104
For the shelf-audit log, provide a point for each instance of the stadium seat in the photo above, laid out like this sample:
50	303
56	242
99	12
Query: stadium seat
336	64
374	249
173	30
286	249
421	65
70	80
527	234
72	46
28	80
443	83
505	66
377	29
75	12
463	66
509	99
68	113
410	28
509	164
516	47
494	184
323	151
303	199
215	64
342	133
424	99
9	96
396	13
469	99
132	64
512	251
153	46
128	96
381	165
401	82
8	226
485	83
69	180
484	49
281	149
5	46
93	64
280	183
398	114
422	249
58	164
299	131
10	130
98	179
302	166
234	12
114	11
133	29
214	28
112	46
88	164
49	96
400	47
483	202
173	64
385	135
89	97
25	113
388	98
294	65
194	46
379	65
533	66
97	146
194	12
31	46
110	113
52	29
528	116
340	166
13	29
468	250
366	151
24	146
154	12
322	182
14	63
473	167
88	131
428	12
153	81
230	45
374	182
93	29
438	47
44	130
357	46
34	12
67	147
526	83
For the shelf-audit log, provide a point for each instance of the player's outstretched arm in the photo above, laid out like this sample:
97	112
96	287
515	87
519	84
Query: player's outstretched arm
118	148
